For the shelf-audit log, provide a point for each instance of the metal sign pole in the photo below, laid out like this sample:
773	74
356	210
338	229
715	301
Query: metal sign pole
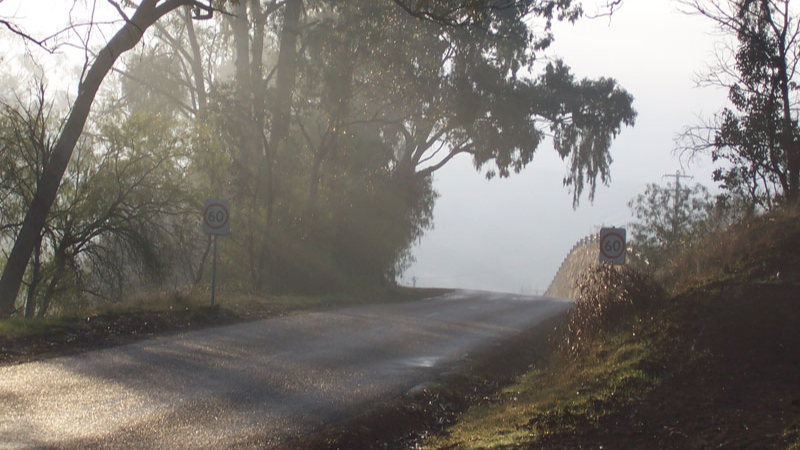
214	272
216	215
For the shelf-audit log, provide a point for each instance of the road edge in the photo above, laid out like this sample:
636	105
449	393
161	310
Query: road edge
422	412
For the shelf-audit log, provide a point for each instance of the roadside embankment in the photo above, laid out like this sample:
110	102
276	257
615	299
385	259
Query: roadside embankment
31	339
712	361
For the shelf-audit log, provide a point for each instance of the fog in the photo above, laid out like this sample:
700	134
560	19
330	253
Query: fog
508	235
353	181
511	235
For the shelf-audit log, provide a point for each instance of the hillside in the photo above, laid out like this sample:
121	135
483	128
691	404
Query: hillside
716	365
713	364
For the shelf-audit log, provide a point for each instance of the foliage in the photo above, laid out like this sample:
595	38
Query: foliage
560	398
438	93
323	128
146	13
609	296
382	101
669	219
758	139
118	212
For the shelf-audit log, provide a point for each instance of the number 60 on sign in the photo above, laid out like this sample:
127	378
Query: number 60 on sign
216	215
612	245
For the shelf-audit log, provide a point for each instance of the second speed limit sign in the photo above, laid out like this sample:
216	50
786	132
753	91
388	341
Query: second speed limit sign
612	245
216	215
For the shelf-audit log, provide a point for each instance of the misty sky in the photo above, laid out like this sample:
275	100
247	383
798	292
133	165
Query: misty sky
511	235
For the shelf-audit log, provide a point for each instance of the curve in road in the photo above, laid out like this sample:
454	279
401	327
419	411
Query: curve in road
221	387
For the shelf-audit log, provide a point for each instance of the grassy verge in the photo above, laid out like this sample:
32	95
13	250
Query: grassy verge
716	368
560	398
409	421
18	328
713	366
27	339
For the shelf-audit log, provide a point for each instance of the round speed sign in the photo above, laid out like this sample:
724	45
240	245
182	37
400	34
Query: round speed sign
215	217
612	245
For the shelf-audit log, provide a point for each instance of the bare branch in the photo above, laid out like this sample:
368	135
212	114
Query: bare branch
19	32
696	141
119	10
607	10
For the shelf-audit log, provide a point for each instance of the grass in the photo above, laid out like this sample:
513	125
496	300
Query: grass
18	327
191	307
725	287
563	396
754	248
248	305
795	434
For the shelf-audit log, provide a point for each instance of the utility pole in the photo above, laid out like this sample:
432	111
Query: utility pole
677	177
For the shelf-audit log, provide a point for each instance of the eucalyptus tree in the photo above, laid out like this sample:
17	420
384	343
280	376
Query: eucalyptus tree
758	138
145	15
337	113
437	92
123	199
423	93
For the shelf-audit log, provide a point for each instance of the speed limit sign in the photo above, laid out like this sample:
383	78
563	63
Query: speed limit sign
612	245
216	215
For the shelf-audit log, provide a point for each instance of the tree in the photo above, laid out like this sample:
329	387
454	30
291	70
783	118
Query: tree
124	199
145	15
668	219
368	73
336	114
758	139
453	91
25	146
430	93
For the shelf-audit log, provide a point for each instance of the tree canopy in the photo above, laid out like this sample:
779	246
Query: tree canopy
322	120
757	139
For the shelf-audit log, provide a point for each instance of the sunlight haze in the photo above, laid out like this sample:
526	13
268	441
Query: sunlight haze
511	235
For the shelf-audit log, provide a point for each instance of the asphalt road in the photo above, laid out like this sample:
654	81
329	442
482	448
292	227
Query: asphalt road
228	387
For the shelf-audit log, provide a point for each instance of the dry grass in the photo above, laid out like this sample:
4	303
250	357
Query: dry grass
609	297
632	363
166	311
560	398
760	248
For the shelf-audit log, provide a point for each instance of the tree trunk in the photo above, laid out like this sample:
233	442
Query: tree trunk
147	13
310	210
197	65
30	302
241	44
257	66
793	195
60	258
789	136
286	77
199	276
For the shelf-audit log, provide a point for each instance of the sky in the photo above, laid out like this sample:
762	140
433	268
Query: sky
511	235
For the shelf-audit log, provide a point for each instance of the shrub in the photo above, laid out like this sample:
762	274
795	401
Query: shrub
609	296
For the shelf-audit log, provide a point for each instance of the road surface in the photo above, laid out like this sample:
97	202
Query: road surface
264	381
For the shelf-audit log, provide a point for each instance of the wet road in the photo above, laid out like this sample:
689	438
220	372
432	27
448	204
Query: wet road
254	382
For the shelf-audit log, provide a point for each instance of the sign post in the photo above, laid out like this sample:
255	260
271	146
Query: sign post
216	221
612	245
214	272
